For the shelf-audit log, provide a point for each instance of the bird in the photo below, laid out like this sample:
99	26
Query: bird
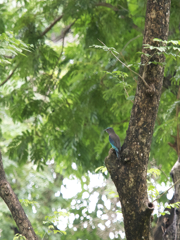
114	140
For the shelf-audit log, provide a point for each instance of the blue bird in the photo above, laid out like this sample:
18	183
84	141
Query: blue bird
114	140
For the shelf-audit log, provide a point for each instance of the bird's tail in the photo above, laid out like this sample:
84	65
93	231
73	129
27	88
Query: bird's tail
117	154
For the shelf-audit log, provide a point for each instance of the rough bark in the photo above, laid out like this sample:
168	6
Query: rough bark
175	226
165	229
129	173
11	200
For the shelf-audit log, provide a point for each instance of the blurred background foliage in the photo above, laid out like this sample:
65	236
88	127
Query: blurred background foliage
56	98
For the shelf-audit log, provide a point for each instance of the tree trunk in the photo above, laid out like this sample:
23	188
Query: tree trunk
175	173
9	197
169	225
129	173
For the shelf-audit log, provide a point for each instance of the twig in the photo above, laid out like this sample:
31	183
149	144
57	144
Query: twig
163	173
177	113
10	57
127	92
58	57
125	65
51	25
108	5
65	31
167	190
131	41
122	56
123	8
10	75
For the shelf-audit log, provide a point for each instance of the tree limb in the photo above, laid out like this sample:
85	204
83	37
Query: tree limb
108	5
167	190
11	200
65	31
58	57
126	65
140	35
51	25
10	75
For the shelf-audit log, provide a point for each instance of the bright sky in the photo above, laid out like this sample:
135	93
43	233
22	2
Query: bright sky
97	180
71	190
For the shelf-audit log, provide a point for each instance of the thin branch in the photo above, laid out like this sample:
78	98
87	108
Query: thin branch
177	114
51	25
10	57
58	57
131	41
127	92
122	56
163	173
108	5
167	190
123	8
10	75
123	121
42	34
65	31
126	65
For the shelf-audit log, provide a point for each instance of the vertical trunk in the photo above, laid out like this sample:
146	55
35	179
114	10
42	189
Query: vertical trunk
165	228
175	173
129	174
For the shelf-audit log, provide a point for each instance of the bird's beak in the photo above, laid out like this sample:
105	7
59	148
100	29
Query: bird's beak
105	130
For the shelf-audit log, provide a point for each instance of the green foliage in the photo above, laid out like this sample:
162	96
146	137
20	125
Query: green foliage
55	216
169	206
170	47
27	202
19	237
11	46
152	191
173	205
154	171
101	168
54	219
105	48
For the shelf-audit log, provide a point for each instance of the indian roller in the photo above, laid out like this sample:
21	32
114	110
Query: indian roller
114	140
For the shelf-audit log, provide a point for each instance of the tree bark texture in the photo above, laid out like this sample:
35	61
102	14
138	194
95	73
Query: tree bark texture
11	200
129	173
165	228
175	173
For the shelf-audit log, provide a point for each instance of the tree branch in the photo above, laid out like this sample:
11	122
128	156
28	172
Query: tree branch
126	65
108	5
167	190
65	31
11	200
51	25
10	75
140	35
58	57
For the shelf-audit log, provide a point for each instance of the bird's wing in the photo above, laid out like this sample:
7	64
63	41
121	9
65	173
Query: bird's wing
118	143
113	143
